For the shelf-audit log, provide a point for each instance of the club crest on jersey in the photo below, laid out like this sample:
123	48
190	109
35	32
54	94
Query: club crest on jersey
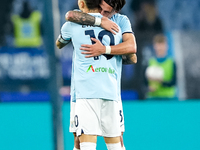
101	69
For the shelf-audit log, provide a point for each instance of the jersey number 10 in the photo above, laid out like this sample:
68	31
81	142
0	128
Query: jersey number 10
100	37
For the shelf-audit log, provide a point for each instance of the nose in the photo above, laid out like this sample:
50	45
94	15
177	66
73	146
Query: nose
101	12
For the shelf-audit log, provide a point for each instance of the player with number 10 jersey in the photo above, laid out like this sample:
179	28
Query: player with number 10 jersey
95	77
125	27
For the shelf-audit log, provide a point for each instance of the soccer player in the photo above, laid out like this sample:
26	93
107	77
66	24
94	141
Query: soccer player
109	9
99	105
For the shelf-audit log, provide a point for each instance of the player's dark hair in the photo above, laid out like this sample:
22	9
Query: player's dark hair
92	4
116	4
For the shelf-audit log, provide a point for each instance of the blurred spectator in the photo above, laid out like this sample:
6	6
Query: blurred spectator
5	10
147	19
146	25
26	26
161	71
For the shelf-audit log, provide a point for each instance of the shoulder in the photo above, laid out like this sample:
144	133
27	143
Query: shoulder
66	28
152	60
14	17
96	15
36	13
121	20
118	16
66	25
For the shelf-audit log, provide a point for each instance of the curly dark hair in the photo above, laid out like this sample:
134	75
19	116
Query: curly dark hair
117	5
92	4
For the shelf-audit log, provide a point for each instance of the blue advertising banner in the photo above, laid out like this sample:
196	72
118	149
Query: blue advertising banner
23	64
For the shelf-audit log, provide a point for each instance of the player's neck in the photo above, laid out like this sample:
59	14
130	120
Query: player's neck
92	11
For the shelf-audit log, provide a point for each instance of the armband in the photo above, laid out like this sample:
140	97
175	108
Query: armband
97	21
108	50
60	39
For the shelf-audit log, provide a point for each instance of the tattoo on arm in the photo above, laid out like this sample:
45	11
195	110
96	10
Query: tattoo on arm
81	18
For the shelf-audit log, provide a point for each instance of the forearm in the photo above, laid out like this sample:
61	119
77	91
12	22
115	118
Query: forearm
59	44
80	18
123	49
86	19
128	46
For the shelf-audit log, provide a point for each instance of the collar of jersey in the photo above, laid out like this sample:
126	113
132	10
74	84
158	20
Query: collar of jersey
94	14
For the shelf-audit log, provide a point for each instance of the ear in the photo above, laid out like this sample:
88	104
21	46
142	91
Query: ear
81	4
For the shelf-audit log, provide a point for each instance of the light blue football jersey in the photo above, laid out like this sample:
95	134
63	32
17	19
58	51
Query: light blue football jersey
123	22
95	77
125	26
72	88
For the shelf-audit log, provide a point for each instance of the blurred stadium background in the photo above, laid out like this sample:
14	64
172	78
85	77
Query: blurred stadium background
35	82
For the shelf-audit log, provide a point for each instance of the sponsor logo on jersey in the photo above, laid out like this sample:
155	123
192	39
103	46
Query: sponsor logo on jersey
101	69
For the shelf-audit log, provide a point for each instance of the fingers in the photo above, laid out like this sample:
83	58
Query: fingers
86	53
95	40
88	56
115	27
85	48
113	32
85	45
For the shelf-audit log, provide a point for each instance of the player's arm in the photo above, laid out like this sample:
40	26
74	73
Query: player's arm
86	19
60	42
65	35
128	46
129	59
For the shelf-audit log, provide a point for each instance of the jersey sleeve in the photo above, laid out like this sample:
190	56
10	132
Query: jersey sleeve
66	31
125	24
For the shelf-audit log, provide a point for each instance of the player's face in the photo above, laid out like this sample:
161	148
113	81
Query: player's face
106	10
161	49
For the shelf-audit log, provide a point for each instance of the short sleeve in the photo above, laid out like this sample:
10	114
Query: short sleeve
66	31
125	24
